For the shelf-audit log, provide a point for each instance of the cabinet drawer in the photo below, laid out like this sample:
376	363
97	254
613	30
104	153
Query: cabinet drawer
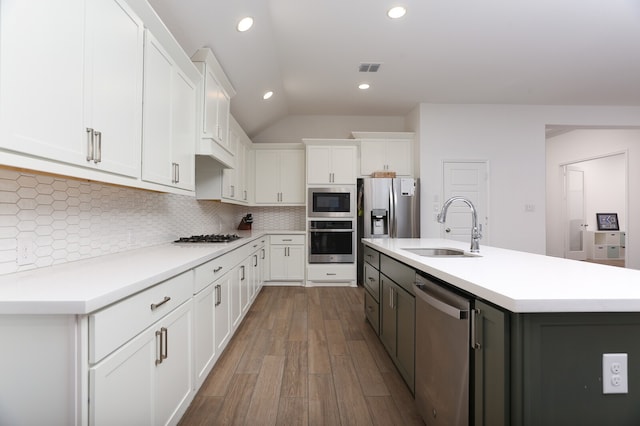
372	281
613	252
112	326
613	238
371	256
400	273
208	272
286	239
331	272
600	252
372	311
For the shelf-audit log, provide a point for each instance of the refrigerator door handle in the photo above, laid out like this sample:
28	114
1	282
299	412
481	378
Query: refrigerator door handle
393	205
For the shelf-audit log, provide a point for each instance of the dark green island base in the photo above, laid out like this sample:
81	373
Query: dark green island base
531	368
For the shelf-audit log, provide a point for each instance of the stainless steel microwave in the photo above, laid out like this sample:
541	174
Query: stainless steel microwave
331	202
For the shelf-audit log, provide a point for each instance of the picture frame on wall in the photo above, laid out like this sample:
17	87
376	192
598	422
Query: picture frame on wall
607	221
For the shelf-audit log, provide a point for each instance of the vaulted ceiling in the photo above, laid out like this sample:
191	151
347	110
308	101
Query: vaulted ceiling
555	52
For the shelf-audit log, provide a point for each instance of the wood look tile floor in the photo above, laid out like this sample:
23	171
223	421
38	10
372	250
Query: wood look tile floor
304	356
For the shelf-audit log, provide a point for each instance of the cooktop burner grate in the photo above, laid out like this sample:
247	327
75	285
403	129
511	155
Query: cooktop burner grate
211	238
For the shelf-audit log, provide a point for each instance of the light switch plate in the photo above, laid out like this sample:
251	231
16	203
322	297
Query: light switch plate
615	378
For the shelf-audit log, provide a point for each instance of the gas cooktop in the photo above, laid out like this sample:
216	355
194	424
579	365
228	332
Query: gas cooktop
211	238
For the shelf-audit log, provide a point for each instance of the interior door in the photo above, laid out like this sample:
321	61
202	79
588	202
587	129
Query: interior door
575	227
467	179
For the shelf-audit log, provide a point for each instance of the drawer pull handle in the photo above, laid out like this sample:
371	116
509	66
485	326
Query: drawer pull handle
155	306
287	239
330	273
371	279
218	269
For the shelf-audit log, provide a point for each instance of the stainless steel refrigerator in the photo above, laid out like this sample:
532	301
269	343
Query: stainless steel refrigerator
387	208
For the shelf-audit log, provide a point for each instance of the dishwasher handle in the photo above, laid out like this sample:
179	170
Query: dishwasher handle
452	311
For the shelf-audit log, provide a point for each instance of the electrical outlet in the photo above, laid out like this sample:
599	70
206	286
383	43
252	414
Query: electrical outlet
24	252
615	373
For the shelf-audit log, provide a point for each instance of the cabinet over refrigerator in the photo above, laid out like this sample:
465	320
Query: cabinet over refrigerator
387	208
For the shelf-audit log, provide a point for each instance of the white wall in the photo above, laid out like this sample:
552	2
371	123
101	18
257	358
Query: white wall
512	139
586	144
293	128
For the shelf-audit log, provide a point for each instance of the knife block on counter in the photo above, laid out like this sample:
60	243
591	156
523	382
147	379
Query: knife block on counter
245	223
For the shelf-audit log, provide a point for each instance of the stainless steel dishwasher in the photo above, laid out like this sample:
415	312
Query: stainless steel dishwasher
442	354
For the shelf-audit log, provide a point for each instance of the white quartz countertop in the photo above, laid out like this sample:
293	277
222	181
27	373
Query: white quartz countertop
87	285
524	282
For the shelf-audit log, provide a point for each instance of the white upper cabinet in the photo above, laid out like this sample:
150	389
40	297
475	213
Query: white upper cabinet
386	152
331	164
81	101
214	106
169	133
279	176
234	180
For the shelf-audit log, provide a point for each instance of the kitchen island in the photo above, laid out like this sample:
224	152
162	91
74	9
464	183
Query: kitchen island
543	325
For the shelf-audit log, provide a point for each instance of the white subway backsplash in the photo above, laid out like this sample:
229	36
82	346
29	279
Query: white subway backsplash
62	219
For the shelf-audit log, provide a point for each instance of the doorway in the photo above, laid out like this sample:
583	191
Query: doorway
594	186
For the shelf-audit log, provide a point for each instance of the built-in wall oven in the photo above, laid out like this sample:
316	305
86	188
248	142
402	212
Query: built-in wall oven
331	241
331	202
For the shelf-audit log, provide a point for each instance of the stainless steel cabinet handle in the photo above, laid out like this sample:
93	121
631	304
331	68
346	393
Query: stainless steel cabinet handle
475	314
97	158
158	347
163	347
263	254
371	279
255	259
89	144
242	268
331	273
233	191
218	294
165	332
177	172
391	297
218	269
155	306
245	195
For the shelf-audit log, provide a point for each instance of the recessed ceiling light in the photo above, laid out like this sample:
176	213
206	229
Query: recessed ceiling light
245	24
396	12
363	86
267	95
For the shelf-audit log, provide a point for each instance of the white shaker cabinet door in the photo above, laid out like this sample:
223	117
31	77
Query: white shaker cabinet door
156	143
292	177
113	106
122	387
183	130
41	105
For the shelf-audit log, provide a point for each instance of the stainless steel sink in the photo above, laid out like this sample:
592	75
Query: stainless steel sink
439	252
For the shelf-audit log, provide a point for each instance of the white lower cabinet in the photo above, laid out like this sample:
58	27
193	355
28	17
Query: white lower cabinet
137	361
286	258
148	380
204	345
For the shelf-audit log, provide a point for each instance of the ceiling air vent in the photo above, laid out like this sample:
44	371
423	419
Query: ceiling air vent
368	67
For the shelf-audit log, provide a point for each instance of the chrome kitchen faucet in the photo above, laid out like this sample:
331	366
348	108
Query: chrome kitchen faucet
476	233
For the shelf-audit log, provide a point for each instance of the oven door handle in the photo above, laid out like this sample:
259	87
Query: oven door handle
330	230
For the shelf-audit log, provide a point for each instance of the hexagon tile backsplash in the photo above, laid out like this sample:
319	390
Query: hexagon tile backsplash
45	220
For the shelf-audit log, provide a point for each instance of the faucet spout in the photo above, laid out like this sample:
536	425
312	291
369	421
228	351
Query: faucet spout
475	230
